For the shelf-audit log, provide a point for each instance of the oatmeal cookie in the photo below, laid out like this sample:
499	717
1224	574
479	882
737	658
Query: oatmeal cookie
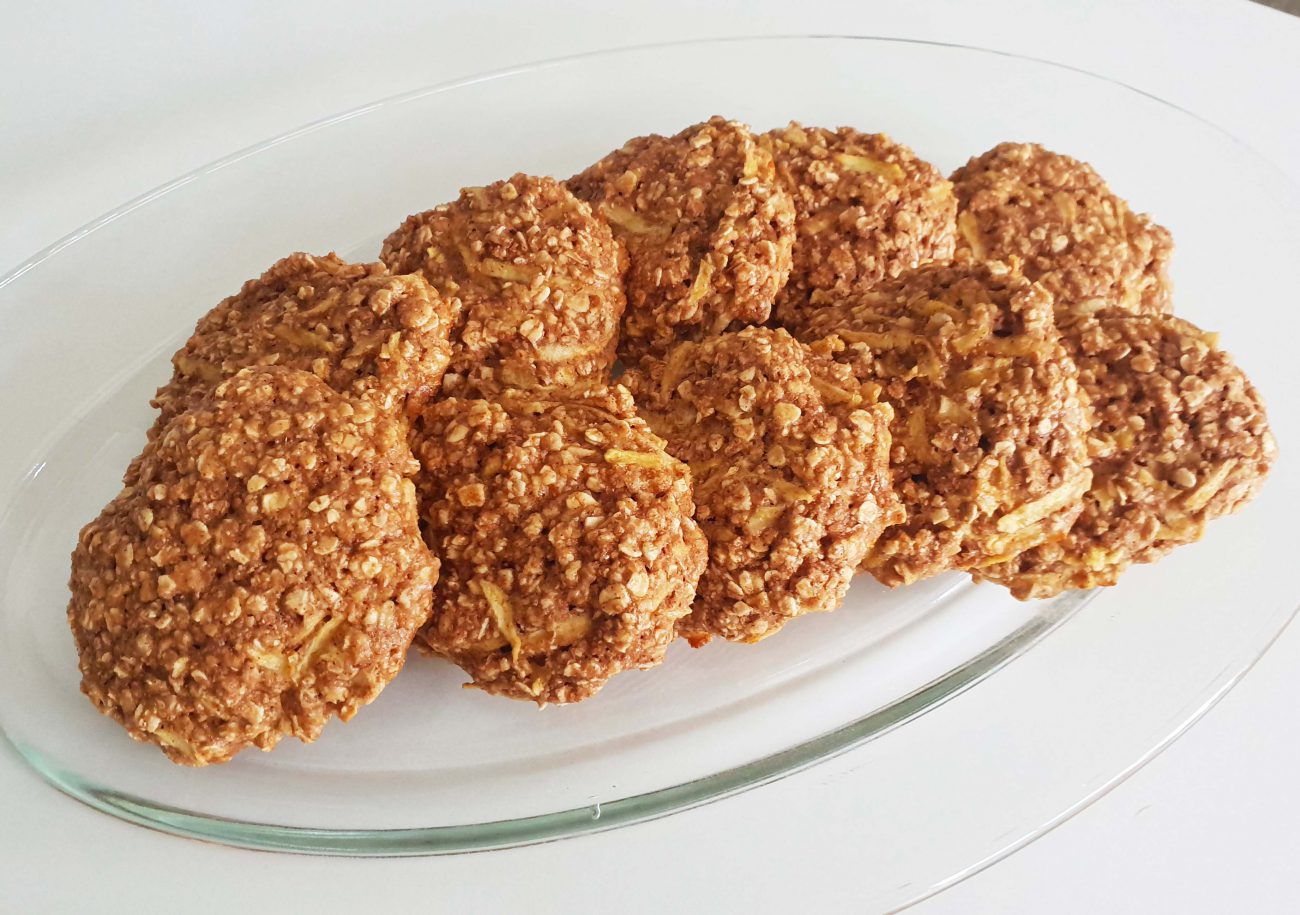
866	209
566	537
990	429
708	230
1180	437
790	458
355	326
1073	234
264	573
541	279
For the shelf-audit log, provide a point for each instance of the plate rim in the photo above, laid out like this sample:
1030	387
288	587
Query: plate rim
543	63
610	816
603	816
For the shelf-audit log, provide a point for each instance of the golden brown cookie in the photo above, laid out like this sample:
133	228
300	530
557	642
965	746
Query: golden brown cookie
539	275
566	536
355	326
989	433
1072	233
264	573
1180	437
708	230
790	458
866	209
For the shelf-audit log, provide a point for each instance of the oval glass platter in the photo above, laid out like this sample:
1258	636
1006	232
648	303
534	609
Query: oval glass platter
90	323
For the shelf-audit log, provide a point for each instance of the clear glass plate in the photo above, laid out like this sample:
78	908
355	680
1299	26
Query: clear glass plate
89	323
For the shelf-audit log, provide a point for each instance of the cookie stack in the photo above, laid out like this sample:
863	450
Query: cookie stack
690	392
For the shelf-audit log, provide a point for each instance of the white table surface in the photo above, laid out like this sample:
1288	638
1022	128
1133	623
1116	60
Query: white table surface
99	102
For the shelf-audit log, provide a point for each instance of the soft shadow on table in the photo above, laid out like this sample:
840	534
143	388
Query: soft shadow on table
1286	6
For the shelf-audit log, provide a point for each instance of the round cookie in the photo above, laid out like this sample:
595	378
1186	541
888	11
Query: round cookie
355	326
539	275
790	458
264	573
708	230
1180	437
990	428
565	530
866	209
1071	232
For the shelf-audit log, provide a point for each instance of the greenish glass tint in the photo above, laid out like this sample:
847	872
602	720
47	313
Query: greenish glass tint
563	823
1129	679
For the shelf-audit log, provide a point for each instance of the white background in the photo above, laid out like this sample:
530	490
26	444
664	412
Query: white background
99	102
